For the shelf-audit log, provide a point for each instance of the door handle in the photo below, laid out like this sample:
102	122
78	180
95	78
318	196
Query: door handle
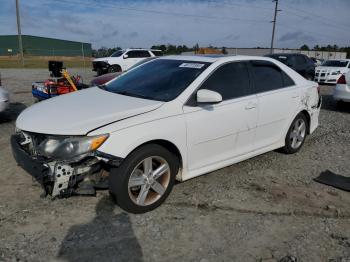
250	105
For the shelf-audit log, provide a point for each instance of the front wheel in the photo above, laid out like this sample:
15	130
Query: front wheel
144	179
114	68
296	135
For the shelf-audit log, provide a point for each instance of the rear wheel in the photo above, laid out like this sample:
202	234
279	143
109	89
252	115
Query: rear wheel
296	135
144	179
114	68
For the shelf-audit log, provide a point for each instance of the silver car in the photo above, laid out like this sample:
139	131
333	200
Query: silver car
4	98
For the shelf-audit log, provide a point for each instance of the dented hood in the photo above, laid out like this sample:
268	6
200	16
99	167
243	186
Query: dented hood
79	112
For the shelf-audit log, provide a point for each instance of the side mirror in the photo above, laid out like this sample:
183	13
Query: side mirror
208	96
125	56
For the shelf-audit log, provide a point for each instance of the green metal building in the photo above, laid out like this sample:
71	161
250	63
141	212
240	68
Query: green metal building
43	46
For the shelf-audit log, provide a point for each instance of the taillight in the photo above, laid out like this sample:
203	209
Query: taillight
342	80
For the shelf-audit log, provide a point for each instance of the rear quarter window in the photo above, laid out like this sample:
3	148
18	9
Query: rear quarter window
157	53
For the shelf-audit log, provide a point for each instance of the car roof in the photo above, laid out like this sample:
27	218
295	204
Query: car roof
215	58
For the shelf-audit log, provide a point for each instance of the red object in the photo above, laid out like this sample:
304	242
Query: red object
60	87
342	80
100	80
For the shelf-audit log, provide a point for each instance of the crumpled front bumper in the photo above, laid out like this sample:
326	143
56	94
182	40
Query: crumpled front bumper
60	178
34	167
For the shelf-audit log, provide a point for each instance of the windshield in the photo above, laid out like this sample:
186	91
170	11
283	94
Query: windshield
161	79
117	53
335	63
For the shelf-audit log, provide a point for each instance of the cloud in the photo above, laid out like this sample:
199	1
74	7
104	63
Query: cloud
230	23
297	36
108	34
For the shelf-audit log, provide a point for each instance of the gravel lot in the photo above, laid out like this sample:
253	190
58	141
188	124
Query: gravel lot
262	209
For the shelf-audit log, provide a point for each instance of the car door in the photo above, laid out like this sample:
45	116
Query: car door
278	100
218	132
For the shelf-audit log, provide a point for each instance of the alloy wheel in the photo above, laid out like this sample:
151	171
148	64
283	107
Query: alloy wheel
298	133
149	180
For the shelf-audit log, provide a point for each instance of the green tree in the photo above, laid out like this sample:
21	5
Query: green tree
304	47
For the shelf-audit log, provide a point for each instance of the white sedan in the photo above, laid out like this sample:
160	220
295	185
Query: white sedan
342	90
175	117
330	71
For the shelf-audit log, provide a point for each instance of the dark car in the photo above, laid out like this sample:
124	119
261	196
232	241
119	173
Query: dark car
299	62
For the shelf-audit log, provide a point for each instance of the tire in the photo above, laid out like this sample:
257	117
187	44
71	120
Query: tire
129	180
294	141
99	72
340	104
310	78
114	68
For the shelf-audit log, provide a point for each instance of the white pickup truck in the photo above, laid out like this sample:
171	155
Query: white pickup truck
122	60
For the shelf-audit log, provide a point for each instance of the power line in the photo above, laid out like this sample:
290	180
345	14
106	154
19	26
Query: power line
314	16
166	12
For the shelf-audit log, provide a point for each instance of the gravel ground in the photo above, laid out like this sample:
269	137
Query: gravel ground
262	209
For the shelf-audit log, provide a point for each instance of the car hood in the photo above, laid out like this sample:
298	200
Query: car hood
331	68
101	59
79	112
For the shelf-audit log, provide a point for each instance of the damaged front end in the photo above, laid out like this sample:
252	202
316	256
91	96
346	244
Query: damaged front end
62	163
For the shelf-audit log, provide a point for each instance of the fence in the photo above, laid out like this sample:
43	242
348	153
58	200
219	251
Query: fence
264	51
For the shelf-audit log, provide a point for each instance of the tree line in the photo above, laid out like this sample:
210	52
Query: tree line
329	48
170	49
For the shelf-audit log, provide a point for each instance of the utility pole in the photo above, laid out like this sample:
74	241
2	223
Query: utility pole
274	25
20	46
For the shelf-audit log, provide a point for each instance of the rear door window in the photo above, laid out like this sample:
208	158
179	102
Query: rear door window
266	76
138	54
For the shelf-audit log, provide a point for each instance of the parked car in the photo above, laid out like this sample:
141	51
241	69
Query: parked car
317	61
342	89
4	98
191	115
122	60
100	80
331	70
299	62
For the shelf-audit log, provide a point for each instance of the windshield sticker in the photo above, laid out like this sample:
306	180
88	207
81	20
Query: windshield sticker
192	65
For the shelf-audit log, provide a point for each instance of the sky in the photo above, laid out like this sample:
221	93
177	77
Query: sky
143	23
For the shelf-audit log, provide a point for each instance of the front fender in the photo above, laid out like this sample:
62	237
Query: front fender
122	142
